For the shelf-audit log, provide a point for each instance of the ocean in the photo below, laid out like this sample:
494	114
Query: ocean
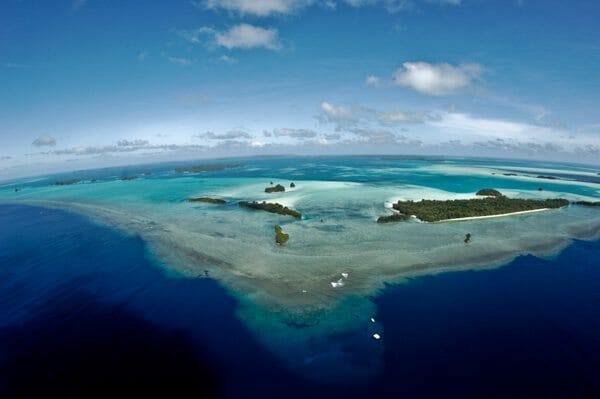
85	312
112	286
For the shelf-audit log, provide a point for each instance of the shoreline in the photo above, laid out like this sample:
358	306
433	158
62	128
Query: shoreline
493	216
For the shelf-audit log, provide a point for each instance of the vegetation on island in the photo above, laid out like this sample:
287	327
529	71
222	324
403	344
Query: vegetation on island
437	210
275	189
547	177
395	217
206	168
280	237
292	185
207	200
66	182
489	192
587	203
272	208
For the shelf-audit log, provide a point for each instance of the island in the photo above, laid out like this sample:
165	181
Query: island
206	168
128	178
272	208
208	200
292	185
587	203
489	192
439	210
280	237
275	189
395	217
66	182
468	237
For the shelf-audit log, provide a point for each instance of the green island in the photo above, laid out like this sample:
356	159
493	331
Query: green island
395	217
489	192
271	207
66	182
206	168
437	210
587	203
280	237
275	189
207	200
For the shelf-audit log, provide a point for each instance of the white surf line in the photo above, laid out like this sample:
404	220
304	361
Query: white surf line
492	216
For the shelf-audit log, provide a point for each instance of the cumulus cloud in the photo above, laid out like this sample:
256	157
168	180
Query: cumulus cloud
116	149
230	135
344	117
44	140
241	36
294	133
377	136
437	79
260	8
132	143
339	115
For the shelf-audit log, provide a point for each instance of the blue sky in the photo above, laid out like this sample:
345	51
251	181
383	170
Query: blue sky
104	82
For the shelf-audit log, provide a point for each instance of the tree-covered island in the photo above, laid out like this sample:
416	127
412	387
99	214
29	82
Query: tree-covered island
208	200
438	210
272	208
67	182
587	203
489	192
275	189
280	237
395	217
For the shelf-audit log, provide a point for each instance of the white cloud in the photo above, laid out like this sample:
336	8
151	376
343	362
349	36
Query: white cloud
132	143
247	36
372	80
260	8
241	36
44	140
230	135
437	79
265	8
294	133
345	117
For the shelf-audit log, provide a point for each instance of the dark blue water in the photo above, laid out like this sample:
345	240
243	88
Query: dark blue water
84	313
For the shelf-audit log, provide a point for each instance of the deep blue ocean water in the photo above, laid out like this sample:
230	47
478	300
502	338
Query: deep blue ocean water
84	312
